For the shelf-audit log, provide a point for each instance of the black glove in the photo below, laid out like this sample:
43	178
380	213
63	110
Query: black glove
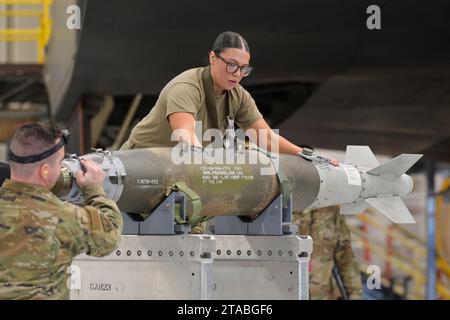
309	155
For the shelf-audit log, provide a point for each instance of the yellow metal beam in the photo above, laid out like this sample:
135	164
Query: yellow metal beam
13	35
394	260
40	35
20	13
411	243
443	292
414	271
21	2
412	265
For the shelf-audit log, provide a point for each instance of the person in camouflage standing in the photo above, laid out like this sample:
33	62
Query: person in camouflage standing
40	234
331	247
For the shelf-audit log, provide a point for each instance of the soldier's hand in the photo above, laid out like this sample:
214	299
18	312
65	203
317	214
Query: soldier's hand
91	173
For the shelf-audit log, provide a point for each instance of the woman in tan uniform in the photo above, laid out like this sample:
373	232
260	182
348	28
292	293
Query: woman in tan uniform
212	98
211	95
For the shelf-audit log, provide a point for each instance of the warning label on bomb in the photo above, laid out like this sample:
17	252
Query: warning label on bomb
353	176
218	174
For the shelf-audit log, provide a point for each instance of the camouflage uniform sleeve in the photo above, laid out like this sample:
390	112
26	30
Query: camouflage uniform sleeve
346	261
99	225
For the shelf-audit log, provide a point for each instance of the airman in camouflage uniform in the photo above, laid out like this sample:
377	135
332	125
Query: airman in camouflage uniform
40	234
331	246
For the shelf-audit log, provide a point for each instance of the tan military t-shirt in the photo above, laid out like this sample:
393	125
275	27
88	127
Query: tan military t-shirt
185	93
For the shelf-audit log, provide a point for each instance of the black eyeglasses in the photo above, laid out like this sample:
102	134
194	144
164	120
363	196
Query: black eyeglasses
232	67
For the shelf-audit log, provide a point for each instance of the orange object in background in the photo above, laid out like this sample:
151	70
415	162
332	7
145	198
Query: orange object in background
389	251
9	126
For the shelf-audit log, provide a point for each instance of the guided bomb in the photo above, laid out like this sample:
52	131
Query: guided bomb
140	179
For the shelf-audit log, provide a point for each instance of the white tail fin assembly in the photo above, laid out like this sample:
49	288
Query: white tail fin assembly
397	166
391	206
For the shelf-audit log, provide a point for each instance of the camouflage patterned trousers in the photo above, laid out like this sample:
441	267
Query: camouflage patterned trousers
331	245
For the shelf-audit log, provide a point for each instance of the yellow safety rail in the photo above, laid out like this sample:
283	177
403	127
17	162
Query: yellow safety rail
413	265
442	264
410	267
40	34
